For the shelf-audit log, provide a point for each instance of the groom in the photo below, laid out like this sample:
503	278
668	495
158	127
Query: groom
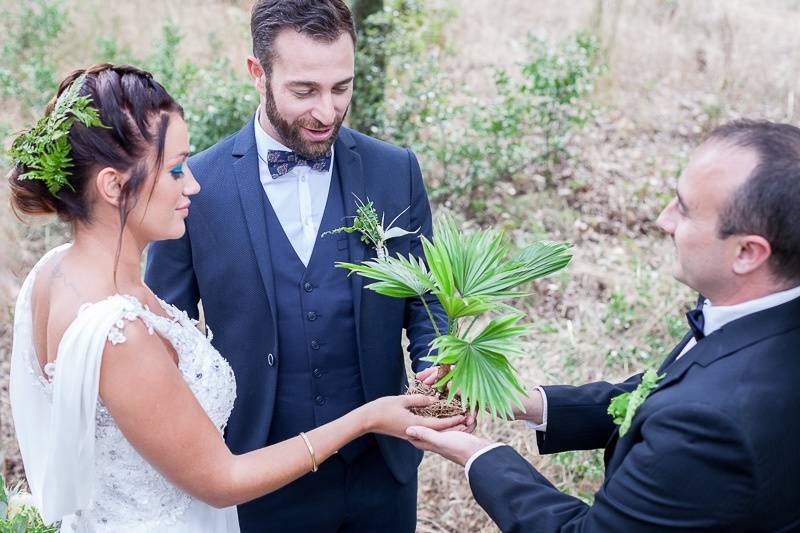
306	342
716	445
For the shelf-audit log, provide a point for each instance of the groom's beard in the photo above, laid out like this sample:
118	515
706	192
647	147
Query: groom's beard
291	135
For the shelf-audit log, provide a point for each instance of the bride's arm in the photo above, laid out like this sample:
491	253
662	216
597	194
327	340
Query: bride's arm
159	415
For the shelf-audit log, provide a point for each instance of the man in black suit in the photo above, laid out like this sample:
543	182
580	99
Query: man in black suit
716	445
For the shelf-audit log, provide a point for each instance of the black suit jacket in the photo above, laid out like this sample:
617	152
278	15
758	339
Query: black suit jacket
716	447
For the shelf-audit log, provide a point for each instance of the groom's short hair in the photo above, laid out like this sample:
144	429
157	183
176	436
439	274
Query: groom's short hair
322	20
768	202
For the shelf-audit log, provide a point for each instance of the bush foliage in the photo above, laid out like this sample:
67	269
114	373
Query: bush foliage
216	100
523	128
467	145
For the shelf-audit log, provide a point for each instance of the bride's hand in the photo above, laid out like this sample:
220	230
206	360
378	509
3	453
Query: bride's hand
390	415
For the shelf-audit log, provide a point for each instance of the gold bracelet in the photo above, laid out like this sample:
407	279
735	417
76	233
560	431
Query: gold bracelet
310	452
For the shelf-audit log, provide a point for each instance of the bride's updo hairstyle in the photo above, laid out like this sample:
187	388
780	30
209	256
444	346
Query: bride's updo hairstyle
134	110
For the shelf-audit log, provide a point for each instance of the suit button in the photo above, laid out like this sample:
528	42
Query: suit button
311	316
321	400
314	345
308	287
317	373
270	359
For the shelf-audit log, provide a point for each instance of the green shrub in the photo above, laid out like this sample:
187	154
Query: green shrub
219	103
408	105
216	100
527	126
465	149
27	68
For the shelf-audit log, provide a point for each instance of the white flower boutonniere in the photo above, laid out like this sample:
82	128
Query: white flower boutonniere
623	407
373	231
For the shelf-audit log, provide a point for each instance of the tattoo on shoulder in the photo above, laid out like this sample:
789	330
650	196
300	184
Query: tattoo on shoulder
58	274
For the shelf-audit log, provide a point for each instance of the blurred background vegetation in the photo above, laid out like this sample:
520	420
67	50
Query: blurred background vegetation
565	120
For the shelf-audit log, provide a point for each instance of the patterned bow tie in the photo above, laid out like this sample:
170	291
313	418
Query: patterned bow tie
281	162
696	323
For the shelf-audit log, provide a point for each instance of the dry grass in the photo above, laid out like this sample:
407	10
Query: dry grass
676	68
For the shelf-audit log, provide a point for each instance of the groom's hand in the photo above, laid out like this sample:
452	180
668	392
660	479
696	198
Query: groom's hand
533	402
453	445
431	375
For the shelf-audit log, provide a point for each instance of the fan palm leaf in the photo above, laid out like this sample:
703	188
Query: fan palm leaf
470	274
480	370
397	277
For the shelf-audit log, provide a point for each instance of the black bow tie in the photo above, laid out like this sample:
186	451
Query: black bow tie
696	323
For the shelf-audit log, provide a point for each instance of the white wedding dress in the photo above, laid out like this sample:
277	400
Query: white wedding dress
80	468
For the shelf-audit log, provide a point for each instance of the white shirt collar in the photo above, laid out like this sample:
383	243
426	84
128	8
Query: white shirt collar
717	316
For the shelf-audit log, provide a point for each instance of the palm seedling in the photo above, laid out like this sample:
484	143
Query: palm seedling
472	275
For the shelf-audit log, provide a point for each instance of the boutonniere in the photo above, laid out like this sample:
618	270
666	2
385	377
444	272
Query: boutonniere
373	230
623	407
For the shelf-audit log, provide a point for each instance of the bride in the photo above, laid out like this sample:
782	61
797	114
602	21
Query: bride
119	400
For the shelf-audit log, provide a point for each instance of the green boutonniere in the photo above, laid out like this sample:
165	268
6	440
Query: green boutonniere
372	229
623	407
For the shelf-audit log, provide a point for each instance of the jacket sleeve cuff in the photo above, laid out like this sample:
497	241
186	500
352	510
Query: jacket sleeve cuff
478	454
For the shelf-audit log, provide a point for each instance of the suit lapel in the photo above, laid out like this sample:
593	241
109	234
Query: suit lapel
351	174
681	345
734	336
727	340
252	197
612	442
674	353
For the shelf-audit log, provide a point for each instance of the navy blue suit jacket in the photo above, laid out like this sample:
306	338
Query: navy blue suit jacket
223	260
716	447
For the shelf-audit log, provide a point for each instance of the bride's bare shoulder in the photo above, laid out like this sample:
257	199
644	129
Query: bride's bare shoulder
62	285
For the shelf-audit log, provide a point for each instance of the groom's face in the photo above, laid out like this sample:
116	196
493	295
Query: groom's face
308	93
704	260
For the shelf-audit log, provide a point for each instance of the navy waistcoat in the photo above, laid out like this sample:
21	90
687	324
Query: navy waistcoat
319	378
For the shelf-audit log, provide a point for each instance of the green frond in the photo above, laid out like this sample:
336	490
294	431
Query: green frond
480	369
439	265
460	262
543	258
478	264
457	307
44	150
471	274
397	277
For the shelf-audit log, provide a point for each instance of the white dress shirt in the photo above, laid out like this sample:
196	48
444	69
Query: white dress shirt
715	316
298	197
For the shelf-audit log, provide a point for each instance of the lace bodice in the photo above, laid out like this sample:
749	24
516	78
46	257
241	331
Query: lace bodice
128	489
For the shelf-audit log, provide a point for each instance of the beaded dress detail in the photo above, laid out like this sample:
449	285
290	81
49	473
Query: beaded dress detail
128	488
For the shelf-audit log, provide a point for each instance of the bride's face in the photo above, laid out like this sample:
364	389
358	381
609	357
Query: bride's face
160	215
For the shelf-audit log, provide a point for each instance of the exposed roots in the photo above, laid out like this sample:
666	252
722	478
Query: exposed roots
441	409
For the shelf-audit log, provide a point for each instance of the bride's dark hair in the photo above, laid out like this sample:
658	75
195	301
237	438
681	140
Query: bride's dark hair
136	109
